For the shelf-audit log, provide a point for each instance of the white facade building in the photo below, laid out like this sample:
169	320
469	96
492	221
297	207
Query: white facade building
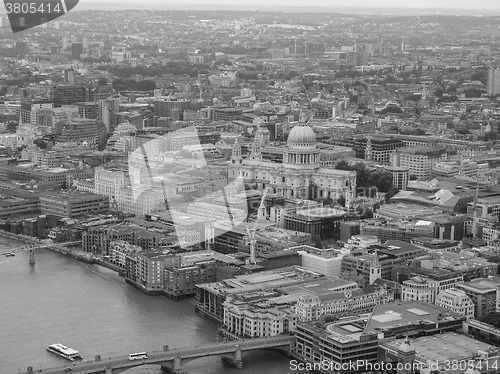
456	301
323	261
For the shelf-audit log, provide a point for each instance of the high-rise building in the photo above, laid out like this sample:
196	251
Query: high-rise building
493	86
69	76
65	42
76	50
107	109
29	110
86	44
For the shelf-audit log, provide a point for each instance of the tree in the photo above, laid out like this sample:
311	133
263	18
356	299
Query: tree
342	165
102	82
317	243
393	129
391	109
491	319
390	193
473	92
341	201
40	143
353	276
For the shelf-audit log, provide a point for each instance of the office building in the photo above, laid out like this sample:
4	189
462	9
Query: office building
419	160
358	337
482	294
89	132
388	255
340	304
323	261
70	95
243	319
73	205
425	289
493	84
30	110
431	353
456	301
171	108
400	177
211	296
76	50
321	223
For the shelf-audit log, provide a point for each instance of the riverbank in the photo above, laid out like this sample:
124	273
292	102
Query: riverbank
18	237
87	258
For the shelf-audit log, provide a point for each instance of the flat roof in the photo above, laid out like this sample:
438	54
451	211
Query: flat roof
321	212
271	279
320	287
442	347
406	312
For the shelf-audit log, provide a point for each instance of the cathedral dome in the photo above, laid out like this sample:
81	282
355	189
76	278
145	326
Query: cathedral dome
302	134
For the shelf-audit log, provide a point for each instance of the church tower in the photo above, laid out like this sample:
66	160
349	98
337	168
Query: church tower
375	269
261	213
209	235
256	151
236	157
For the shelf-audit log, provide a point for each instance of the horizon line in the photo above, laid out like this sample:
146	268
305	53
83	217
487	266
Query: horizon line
264	6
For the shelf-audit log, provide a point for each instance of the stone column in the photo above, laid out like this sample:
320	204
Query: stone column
177	365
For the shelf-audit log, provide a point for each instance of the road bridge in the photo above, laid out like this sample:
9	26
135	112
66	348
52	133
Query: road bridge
171	359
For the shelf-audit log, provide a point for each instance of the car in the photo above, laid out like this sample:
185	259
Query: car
68	369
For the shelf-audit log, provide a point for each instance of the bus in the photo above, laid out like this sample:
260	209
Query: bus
137	356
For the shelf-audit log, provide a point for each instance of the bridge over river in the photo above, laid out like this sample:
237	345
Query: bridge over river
171	359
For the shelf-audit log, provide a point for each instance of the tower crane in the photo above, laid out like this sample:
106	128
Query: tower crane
250	238
474	218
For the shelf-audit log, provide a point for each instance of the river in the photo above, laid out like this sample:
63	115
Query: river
92	309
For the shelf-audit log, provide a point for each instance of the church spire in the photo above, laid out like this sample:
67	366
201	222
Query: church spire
375	269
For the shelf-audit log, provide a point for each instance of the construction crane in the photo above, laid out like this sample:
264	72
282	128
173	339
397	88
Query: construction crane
474	217
250	238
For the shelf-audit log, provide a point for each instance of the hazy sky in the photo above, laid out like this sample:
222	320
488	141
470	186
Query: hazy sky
456	4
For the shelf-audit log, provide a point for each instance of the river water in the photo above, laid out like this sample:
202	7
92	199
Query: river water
92	309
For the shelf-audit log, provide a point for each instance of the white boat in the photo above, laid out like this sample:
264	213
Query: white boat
63	351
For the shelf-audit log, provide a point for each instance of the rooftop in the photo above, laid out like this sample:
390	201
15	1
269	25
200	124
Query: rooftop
439	348
271	279
409	313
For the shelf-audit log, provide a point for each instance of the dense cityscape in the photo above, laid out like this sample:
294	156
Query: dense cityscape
322	184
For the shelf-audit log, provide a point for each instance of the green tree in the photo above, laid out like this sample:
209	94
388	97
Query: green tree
492	319
353	276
